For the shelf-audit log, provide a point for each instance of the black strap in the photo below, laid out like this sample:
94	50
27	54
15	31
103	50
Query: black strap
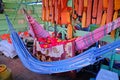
1	7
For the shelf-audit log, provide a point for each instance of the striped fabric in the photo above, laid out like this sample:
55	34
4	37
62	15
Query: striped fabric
36	28
92	37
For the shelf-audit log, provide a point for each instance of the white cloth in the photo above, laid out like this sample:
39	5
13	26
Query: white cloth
7	49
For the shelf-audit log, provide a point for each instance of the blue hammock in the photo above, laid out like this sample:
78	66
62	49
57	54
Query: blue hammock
86	58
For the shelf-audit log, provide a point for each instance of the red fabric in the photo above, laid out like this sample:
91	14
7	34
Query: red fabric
7	36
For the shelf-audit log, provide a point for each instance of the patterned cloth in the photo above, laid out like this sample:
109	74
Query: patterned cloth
59	52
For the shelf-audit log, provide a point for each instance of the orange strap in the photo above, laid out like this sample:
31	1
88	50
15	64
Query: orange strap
47	13
69	31
110	11
46	3
84	15
94	12
74	14
104	16
99	14
50	13
43	10
56	11
53	2
43	2
50	3
43	13
105	4
65	17
53	15
84	19
59	14
89	12
63	4
86	3
117	4
80	7
115	16
76	5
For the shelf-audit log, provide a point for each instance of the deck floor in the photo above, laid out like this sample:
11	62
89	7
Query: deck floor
19	72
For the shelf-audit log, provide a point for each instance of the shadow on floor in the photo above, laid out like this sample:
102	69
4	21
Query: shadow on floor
19	72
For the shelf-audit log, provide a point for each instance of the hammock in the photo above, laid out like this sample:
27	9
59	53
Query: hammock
36	29
86	58
81	42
